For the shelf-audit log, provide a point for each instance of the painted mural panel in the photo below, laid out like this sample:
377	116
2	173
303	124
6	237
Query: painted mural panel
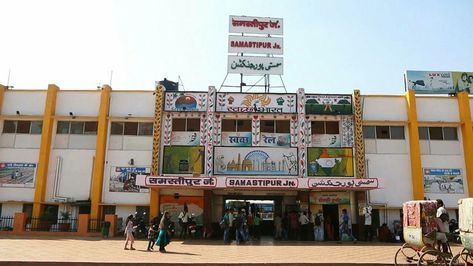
176	205
275	139
241	139
183	160
123	179
185	101
326	140
17	174
443	181
256	103
255	161
329	161
328	104
185	138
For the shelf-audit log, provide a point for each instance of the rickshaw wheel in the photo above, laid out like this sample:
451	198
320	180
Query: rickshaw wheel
405	254
462	258
432	257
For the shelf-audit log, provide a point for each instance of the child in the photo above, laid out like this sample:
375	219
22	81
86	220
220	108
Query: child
152	232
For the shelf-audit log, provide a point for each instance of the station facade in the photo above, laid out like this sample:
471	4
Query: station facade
124	152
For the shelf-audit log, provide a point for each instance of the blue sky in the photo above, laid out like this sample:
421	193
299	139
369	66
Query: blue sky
329	46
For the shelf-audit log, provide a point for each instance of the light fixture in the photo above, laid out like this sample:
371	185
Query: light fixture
131	161
72	115
17	112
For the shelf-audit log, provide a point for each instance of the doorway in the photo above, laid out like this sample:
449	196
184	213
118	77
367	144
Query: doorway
331	222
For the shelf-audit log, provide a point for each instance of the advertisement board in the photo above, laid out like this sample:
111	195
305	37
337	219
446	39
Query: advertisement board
255	161
275	139
17	174
443	181
328	104
185	101
326	140
183	160
175	205
123	179
261	183
439	82
329	197
255	45
256	103
185	138
258	25
241	139
255	65
340	183
329	161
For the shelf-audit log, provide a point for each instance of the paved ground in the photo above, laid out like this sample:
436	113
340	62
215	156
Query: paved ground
97	251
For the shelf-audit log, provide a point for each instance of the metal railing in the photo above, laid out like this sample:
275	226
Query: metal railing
53	225
94	225
6	223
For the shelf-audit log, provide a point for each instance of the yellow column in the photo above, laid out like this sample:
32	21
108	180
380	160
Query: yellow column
100	150
416	164
45	149
154	193
467	137
2	94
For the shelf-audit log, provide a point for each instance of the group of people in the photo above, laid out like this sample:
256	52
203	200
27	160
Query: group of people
159	234
244	226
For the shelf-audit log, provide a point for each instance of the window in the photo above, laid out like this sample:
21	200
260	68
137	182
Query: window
438	133
9	126
77	127
145	129
185	124
117	128
369	132
90	128
283	126
131	129
275	126
267	126
63	127
244	125
232	125
325	127
397	132
382	132
23	127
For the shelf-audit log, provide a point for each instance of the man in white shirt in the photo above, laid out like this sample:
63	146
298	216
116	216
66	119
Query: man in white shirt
303	221
368	220
184	221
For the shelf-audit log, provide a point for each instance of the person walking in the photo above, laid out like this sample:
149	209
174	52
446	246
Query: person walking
129	228
319	226
240	227
163	237
345	230
303	223
225	225
152	233
368	221
184	217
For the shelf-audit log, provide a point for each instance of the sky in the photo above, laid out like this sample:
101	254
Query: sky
330	46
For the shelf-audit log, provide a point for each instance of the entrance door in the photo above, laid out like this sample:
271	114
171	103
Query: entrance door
331	221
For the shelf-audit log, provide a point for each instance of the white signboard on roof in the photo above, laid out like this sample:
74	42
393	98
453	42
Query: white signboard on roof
257	25
255	45
255	65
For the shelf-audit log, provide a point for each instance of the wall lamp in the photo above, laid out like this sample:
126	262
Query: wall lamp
72	115
17	112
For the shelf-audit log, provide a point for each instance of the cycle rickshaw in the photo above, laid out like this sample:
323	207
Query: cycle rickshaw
419	231
465	226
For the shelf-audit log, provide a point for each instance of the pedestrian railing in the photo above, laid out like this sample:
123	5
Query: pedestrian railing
6	223
52	225
94	225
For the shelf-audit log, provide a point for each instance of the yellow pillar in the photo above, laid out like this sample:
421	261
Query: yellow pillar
2	94
467	137
45	149
154	193
100	150
414	145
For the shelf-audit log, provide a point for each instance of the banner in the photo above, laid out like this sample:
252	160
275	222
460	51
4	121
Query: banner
261	183
275	139
123	179
326	140
255	161
185	101
439	82
322	198
259	25
183	160
342	183
185	138
329	162
236	139
255	45
17	174
328	104
443	181
179	181
255	103
255	65
175	205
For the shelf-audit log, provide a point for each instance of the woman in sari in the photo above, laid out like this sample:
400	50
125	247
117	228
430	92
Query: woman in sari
163	237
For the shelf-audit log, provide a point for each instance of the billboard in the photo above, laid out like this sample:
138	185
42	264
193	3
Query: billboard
328	104
241	139
255	65
258	25
329	161
185	101
255	161
123	179
185	138
255	45
326	140
17	174
439	82
255	103
443	181
175	205
183	160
